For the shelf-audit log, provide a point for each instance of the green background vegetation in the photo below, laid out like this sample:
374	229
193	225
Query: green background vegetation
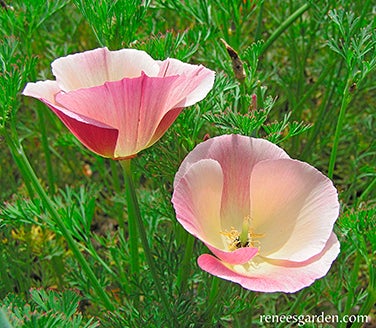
309	87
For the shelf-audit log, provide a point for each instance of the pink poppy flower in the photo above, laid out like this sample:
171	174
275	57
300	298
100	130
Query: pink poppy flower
267	218
118	103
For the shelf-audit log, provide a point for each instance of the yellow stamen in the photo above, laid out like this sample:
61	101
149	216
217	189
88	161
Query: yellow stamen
246	238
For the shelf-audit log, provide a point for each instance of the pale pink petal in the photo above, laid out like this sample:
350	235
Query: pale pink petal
42	90
237	155
95	67
238	256
274	276
195	81
165	123
98	137
134	106
122	92
197	199
294	207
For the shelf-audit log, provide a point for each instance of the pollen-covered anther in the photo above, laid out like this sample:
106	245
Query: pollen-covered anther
245	238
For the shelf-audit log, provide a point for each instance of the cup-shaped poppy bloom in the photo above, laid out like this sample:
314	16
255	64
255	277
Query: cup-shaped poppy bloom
267	218
118	103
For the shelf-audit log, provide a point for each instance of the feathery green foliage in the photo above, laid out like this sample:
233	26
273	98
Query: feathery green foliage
309	87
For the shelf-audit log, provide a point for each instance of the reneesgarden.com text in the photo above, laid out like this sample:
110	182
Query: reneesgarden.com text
303	319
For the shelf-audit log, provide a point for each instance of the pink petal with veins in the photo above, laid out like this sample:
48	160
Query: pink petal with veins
274	276
232	182
197	201
294	206
197	81
237	155
129	98
95	67
135	107
96	136
238	256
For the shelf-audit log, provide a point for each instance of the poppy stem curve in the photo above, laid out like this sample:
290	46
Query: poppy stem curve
184	269
134	216
133	213
214	297
284	25
346	98
28	173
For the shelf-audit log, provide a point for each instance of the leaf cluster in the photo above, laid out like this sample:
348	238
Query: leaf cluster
45	309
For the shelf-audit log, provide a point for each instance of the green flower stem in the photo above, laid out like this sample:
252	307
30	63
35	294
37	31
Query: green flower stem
29	174
133	214
346	98
323	111
370	301
134	218
118	206
213	291
352	285
366	191
7	133
183	273
324	74
244	106
115	176
212	301
297	302
46	149
284	26
259	22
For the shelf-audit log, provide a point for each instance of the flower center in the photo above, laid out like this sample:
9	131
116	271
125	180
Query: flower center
245	238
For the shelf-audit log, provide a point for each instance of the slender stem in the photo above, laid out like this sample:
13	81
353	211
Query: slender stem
259	21
369	303
212	301
352	285
365	11
7	134
323	110
213	291
20	165
284	26
47	154
237	323
134	216
117	206
366	191
243	98
370	300
297	301
346	98
251	299
321	78
115	176
184	267
28	172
